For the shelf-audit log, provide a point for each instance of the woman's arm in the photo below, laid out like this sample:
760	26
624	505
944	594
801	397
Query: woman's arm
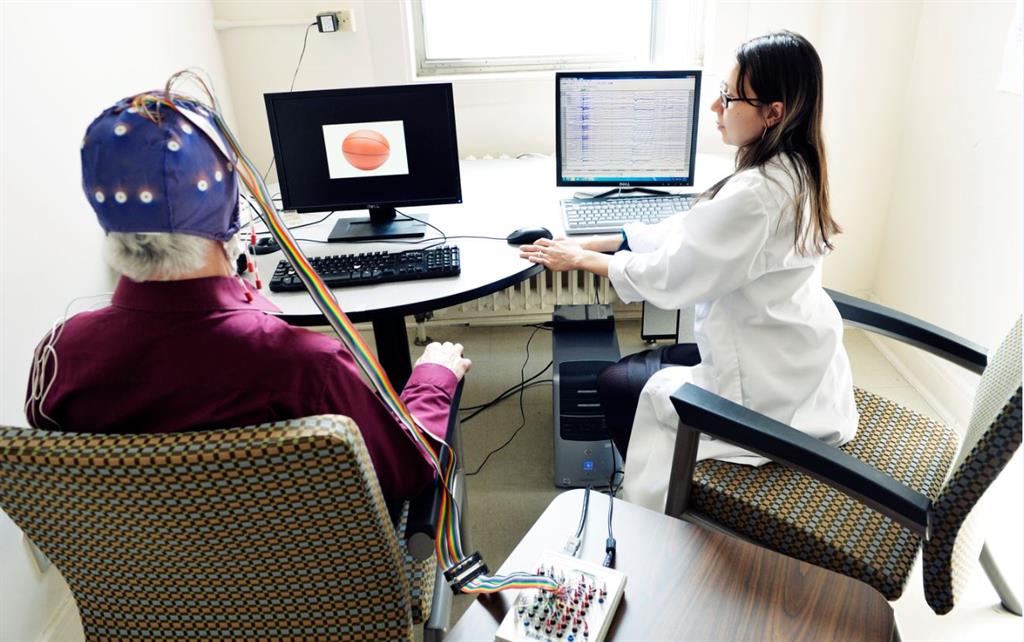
607	243
559	255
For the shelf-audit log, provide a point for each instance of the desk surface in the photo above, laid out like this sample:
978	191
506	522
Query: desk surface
688	583
499	196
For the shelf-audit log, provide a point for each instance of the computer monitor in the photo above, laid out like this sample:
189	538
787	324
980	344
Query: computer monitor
626	128
374	148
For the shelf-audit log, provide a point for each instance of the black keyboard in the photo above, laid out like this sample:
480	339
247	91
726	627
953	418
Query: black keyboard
372	267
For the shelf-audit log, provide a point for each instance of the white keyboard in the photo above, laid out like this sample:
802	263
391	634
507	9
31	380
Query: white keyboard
608	215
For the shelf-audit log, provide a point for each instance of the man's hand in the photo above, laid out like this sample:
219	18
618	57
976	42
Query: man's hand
446	354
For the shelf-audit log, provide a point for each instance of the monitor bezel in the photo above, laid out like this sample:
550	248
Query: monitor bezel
685	73
282	174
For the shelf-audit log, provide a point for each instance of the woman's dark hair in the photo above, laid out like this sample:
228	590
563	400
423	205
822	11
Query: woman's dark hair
784	67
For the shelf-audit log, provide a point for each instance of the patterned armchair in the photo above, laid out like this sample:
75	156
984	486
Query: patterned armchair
866	509
276	531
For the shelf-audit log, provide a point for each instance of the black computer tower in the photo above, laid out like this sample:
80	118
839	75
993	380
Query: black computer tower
583	344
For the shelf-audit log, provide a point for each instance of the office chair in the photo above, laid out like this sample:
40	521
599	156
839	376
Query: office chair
865	509
276	531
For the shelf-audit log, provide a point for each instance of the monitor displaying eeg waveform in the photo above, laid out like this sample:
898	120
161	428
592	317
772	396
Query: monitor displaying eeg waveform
626	128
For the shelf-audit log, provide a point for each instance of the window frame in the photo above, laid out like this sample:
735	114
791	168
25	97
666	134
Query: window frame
451	66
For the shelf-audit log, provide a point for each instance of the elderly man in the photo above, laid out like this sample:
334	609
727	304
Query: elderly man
185	343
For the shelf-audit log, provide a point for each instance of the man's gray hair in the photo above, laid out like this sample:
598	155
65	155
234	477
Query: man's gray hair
143	257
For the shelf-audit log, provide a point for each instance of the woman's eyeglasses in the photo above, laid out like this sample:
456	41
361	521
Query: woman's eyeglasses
726	98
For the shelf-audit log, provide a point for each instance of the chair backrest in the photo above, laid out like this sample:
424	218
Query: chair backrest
271	532
993	435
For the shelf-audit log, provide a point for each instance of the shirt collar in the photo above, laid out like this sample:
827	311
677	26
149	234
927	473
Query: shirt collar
207	294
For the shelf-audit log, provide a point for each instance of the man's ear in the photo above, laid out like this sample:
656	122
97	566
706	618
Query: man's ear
775	112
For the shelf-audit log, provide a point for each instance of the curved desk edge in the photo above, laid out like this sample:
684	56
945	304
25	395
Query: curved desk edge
307	320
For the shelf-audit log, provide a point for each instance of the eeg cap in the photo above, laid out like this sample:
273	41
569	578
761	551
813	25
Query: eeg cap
141	176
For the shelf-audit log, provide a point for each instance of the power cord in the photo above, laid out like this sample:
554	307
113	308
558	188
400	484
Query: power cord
505	395
292	86
522	411
609	543
508	392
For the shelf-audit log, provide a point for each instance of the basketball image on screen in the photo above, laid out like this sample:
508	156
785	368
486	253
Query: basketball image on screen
366	149
359	150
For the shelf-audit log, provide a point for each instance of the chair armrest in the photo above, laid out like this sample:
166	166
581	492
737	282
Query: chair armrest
425	509
910	330
710	414
437	624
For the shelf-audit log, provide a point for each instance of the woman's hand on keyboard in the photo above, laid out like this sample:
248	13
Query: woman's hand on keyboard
446	354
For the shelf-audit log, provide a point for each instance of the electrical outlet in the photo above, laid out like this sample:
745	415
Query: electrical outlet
346	20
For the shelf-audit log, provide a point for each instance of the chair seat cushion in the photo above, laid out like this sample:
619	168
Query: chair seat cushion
792	513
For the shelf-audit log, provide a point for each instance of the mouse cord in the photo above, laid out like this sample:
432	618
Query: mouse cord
444	237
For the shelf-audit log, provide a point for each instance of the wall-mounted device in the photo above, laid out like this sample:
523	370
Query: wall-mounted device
332	21
583	344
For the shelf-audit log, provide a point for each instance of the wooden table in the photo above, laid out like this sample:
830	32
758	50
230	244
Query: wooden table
685	582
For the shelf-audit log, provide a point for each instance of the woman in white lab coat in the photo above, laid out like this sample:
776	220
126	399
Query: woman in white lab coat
748	256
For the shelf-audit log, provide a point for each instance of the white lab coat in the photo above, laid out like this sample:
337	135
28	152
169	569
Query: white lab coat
770	337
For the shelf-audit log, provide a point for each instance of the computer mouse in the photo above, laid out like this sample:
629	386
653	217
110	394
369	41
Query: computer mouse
266	245
526	235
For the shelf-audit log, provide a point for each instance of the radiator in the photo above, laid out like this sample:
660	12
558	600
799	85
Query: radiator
533	301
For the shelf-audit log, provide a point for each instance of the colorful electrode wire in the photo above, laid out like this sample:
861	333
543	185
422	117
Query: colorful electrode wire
448	544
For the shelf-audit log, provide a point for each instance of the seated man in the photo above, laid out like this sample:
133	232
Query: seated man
185	343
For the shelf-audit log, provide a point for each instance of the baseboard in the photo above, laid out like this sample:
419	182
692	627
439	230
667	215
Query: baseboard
933	378
66	625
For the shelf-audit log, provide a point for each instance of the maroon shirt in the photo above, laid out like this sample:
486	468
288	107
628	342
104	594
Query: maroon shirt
197	355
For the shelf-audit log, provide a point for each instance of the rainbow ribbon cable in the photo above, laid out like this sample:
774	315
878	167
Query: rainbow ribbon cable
448	543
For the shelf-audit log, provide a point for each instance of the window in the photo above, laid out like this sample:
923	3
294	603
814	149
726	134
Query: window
472	36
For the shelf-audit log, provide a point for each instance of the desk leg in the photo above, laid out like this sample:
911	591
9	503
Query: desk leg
393	349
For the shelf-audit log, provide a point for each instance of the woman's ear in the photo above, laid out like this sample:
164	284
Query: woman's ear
774	114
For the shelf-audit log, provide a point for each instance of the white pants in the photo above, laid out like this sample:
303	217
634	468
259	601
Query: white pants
653	439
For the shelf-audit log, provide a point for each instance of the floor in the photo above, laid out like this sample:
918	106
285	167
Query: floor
514	487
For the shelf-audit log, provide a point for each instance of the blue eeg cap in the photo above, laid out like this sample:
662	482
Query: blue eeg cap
143	177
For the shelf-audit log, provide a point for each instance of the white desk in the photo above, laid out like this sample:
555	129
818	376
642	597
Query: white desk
499	196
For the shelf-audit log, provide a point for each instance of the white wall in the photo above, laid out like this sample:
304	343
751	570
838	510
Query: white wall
512	115
951	248
63	63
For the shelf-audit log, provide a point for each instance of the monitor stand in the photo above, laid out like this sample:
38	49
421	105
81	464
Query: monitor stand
381	225
629	190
